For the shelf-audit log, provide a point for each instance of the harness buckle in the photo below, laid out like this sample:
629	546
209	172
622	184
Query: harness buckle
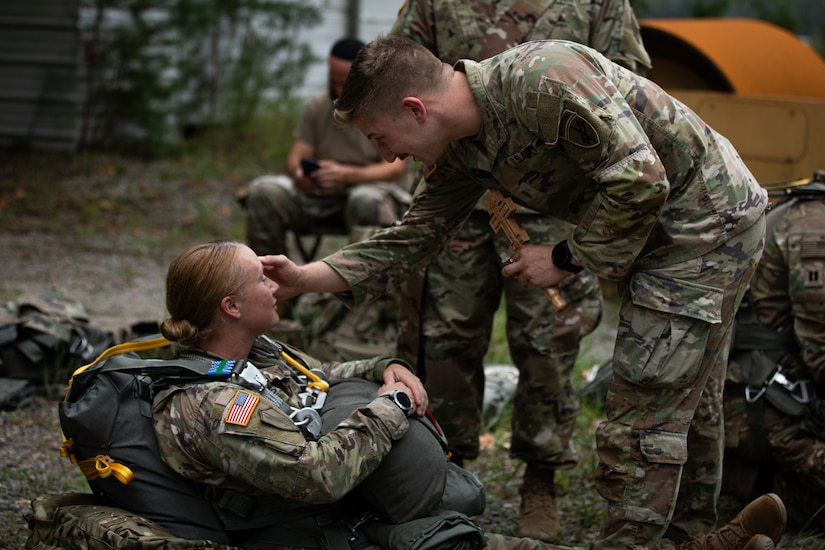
309	420
752	395
799	390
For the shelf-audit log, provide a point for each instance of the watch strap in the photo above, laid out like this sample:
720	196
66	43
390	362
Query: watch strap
563	259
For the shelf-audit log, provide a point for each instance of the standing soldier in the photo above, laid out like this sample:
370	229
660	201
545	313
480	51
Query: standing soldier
448	309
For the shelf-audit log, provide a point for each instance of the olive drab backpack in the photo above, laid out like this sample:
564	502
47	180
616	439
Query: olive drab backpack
106	424
45	336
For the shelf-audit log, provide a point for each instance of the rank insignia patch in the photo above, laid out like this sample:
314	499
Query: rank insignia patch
240	410
813	274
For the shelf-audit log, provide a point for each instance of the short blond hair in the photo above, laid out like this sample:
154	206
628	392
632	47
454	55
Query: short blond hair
384	72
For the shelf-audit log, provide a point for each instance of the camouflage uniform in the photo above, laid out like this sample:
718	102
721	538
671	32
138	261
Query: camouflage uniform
788	294
661	203
463	286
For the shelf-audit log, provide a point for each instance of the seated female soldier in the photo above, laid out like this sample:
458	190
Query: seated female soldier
253	443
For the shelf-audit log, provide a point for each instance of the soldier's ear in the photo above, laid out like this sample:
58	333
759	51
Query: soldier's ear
416	107
230	307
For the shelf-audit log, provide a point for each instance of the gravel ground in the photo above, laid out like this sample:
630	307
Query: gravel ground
117	290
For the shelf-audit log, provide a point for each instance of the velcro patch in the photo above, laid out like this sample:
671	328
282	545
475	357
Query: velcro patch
579	131
548	115
240	410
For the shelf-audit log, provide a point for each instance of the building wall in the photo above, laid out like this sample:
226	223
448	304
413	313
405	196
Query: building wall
40	96
375	17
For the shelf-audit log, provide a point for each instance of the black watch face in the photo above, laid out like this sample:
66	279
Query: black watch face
403	400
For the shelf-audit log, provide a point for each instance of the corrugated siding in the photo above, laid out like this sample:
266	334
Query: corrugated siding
40	95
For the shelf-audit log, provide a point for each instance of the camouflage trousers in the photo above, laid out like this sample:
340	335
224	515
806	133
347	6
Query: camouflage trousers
660	447
273	206
448	332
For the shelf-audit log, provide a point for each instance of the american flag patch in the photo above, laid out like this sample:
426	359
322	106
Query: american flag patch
241	408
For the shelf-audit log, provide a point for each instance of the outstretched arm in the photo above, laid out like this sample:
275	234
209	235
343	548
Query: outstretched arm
293	279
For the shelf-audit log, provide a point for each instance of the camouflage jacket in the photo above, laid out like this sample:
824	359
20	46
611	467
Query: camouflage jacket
568	133
788	288
223	435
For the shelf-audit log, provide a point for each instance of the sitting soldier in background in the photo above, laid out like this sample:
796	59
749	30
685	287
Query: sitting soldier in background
353	190
774	422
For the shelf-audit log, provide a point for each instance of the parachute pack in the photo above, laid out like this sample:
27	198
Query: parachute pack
106	423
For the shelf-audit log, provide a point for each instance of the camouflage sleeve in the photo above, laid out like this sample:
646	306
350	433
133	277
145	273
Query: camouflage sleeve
566	109
229	437
369	369
389	257
789	284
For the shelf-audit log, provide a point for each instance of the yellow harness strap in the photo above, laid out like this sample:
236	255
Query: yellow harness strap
102	466
317	381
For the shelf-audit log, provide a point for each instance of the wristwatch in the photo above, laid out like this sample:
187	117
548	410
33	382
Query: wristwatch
401	400
563	259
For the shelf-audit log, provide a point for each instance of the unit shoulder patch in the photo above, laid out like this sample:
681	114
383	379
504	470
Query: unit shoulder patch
579	131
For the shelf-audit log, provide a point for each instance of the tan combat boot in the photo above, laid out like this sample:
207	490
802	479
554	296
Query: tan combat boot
539	517
759	526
